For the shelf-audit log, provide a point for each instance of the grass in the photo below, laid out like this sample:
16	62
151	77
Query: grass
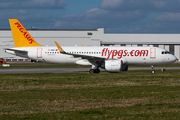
125	95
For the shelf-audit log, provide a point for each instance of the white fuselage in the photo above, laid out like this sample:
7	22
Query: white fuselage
129	55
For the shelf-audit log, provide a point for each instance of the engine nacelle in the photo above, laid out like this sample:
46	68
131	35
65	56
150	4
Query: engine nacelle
113	65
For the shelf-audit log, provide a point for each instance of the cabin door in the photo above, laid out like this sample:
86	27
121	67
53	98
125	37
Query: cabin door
153	53
39	52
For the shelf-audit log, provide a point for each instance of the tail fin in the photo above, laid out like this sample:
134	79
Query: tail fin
20	35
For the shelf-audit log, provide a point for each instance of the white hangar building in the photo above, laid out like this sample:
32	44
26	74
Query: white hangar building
90	37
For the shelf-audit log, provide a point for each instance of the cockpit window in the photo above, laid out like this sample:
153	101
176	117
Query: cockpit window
165	52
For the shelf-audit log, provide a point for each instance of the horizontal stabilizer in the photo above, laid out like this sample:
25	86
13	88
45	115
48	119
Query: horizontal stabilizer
22	53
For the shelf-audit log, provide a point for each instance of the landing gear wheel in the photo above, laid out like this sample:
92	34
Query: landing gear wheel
96	71
153	71
91	71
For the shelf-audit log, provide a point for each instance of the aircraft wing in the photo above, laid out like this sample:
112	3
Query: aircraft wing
91	59
87	57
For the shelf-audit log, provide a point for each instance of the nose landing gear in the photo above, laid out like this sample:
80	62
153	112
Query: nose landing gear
153	71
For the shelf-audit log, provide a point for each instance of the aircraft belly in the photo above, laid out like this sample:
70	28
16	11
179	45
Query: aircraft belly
138	61
144	61
60	59
72	60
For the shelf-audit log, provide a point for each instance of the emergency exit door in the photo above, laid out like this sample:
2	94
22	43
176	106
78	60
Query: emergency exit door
153	53
39	52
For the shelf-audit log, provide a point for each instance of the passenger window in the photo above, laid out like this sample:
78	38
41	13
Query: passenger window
89	33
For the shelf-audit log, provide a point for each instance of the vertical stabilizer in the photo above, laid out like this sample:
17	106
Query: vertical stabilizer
20	35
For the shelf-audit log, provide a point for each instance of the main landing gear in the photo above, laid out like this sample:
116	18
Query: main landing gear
94	71
153	71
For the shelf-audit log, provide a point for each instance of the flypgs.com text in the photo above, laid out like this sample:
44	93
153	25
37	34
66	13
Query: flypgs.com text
121	53
22	30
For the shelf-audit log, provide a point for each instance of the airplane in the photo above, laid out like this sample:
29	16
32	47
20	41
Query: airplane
110	58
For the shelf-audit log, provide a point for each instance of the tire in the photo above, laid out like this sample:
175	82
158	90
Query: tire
96	71
91	71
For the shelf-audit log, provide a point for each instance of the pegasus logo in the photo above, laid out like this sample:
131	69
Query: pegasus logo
25	33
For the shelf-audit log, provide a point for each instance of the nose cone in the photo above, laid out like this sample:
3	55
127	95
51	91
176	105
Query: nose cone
173	58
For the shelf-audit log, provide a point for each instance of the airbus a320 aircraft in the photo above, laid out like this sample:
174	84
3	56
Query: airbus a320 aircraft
111	59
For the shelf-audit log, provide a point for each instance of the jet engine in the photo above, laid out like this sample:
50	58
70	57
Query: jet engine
113	65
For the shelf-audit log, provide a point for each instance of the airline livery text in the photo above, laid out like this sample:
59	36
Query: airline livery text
124	53
22	30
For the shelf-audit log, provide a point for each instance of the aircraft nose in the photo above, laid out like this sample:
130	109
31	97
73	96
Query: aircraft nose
173	58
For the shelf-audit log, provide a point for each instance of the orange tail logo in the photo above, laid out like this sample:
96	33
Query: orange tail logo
21	36
26	34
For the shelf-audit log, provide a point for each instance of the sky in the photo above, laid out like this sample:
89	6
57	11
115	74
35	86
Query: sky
115	16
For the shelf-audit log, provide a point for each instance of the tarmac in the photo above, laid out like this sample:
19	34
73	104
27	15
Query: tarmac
70	70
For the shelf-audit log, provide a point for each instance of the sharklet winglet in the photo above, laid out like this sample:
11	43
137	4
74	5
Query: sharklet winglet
59	48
